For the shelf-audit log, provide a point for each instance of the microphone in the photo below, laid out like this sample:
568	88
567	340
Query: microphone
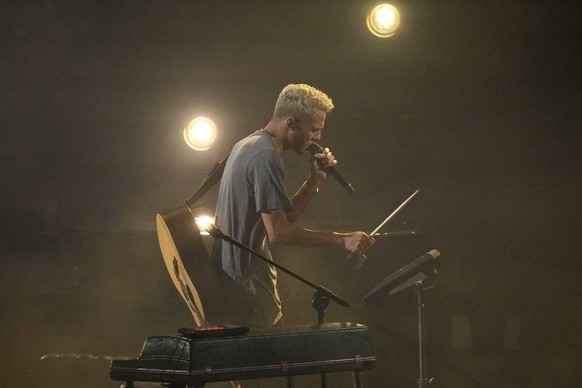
315	148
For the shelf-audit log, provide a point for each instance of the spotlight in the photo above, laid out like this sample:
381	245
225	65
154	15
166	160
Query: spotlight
203	223
383	20
200	133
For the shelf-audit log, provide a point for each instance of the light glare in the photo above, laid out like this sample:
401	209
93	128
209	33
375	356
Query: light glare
203	222
200	133
383	20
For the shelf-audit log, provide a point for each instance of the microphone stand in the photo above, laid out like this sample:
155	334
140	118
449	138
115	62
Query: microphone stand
321	297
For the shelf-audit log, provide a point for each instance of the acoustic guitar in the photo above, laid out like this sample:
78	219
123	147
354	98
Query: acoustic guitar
186	258
189	264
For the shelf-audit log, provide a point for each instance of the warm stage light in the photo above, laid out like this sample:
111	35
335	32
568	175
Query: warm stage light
383	20
203	223
200	133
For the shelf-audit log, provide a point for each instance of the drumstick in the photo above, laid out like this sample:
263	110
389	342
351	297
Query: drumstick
360	262
393	213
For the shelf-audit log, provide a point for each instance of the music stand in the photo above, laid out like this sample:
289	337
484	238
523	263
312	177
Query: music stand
414	275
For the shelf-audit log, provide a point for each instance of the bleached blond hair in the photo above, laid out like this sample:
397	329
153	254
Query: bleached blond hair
301	101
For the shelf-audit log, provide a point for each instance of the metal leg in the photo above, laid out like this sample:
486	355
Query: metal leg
423	381
357	379
289	382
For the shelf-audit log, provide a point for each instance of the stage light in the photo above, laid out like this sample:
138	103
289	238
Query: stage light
383	20
200	133
203	223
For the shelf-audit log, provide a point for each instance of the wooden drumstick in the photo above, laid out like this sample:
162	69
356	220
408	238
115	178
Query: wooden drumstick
393	214
360	261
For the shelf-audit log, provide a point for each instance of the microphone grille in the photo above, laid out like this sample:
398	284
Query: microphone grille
315	148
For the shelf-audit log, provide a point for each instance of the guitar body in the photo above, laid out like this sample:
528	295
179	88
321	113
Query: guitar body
189	265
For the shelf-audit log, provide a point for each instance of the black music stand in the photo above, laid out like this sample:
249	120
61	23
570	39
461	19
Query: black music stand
414	275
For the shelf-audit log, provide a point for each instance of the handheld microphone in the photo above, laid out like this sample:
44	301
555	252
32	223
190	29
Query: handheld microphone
315	148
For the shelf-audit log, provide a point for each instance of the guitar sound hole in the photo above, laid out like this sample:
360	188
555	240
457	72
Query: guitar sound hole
176	269
190	295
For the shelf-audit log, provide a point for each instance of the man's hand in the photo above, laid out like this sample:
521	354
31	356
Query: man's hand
319	162
357	243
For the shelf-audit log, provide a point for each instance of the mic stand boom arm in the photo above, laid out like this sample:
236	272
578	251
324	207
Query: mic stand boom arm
322	295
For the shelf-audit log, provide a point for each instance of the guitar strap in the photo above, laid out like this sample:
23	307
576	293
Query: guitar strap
209	181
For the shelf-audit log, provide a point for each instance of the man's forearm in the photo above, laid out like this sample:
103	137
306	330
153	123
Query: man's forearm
281	231
297	236
301	199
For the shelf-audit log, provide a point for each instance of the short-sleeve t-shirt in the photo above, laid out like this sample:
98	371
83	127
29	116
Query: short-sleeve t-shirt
252	182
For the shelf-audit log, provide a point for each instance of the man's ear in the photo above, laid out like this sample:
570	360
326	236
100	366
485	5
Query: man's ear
291	123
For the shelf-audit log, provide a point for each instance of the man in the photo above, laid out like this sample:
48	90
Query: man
253	206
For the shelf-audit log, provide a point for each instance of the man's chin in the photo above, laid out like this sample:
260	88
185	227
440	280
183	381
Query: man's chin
300	150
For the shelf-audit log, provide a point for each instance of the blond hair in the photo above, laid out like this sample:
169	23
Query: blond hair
301	101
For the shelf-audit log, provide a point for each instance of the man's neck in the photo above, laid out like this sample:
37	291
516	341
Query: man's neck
278	131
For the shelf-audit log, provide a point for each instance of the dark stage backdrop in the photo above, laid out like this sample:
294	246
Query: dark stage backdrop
476	104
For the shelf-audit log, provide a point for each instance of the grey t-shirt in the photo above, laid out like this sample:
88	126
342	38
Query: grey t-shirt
252	182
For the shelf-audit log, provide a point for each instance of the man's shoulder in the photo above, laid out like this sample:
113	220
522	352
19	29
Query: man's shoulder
257	143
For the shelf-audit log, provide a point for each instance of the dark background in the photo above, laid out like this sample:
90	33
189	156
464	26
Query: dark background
475	103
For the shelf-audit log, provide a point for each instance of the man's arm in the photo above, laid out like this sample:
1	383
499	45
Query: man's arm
301	199
318	163
281	231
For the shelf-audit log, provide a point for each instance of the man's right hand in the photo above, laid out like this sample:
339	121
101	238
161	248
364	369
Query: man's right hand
319	163
357	243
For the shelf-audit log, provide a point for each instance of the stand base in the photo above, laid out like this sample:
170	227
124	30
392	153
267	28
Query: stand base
425	383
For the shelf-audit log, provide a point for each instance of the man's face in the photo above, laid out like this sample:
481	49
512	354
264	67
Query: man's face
307	132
